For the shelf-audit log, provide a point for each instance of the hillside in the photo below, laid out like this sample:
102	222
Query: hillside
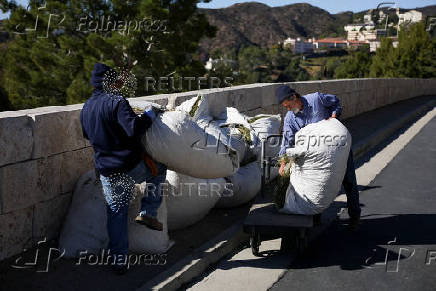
253	23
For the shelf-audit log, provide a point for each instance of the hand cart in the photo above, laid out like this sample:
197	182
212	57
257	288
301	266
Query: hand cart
265	222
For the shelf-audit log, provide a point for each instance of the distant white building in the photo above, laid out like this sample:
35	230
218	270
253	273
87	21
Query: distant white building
367	18
375	44
298	45
211	62
353	31
363	32
326	43
289	42
408	17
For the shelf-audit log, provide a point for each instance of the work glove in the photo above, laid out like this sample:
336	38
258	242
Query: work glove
157	110
150	113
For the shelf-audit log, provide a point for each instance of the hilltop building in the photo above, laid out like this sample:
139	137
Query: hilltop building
212	62
408	17
299	46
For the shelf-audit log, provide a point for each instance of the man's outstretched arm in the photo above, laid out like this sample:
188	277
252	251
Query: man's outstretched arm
133	124
332	103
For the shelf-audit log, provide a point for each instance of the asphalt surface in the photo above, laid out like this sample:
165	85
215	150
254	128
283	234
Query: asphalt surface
395	248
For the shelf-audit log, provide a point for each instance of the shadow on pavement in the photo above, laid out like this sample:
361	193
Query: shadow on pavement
378	241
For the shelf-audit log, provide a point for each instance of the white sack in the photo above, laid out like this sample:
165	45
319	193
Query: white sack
321	152
190	199
231	137
143	240
202	110
264	126
232	115
178	142
143	105
85	225
246	184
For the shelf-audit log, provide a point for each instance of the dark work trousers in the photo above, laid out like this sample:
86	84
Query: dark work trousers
350	186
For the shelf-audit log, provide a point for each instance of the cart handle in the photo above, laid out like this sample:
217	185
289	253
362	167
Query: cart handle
265	164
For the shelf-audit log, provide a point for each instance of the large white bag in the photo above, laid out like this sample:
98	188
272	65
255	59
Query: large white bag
141	238
321	152
265	125
246	183
85	226
181	144
229	136
190	199
197	108
233	117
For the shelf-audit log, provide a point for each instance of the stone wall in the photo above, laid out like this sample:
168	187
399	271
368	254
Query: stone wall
43	153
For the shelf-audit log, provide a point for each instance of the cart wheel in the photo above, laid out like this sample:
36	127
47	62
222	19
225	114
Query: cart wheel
301	241
301	244
287	244
255	242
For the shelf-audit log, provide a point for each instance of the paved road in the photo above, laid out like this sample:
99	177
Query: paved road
393	249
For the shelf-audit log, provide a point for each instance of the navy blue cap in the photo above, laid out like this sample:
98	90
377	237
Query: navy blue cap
284	92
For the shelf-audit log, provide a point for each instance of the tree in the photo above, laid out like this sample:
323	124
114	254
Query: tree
330	67
55	68
295	72
4	100
416	53
253	65
279	58
415	56
384	63
356	66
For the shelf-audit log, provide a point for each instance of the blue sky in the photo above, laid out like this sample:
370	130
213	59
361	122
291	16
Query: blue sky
332	6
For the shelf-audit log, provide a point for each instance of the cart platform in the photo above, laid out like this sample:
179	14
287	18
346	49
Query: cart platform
265	222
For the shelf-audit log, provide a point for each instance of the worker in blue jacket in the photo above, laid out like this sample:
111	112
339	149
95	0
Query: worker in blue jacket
311	108
115	132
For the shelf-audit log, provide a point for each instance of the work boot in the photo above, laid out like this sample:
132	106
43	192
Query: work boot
353	223
149	222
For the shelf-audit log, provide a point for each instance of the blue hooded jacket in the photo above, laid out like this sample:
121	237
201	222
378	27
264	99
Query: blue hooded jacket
112	127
